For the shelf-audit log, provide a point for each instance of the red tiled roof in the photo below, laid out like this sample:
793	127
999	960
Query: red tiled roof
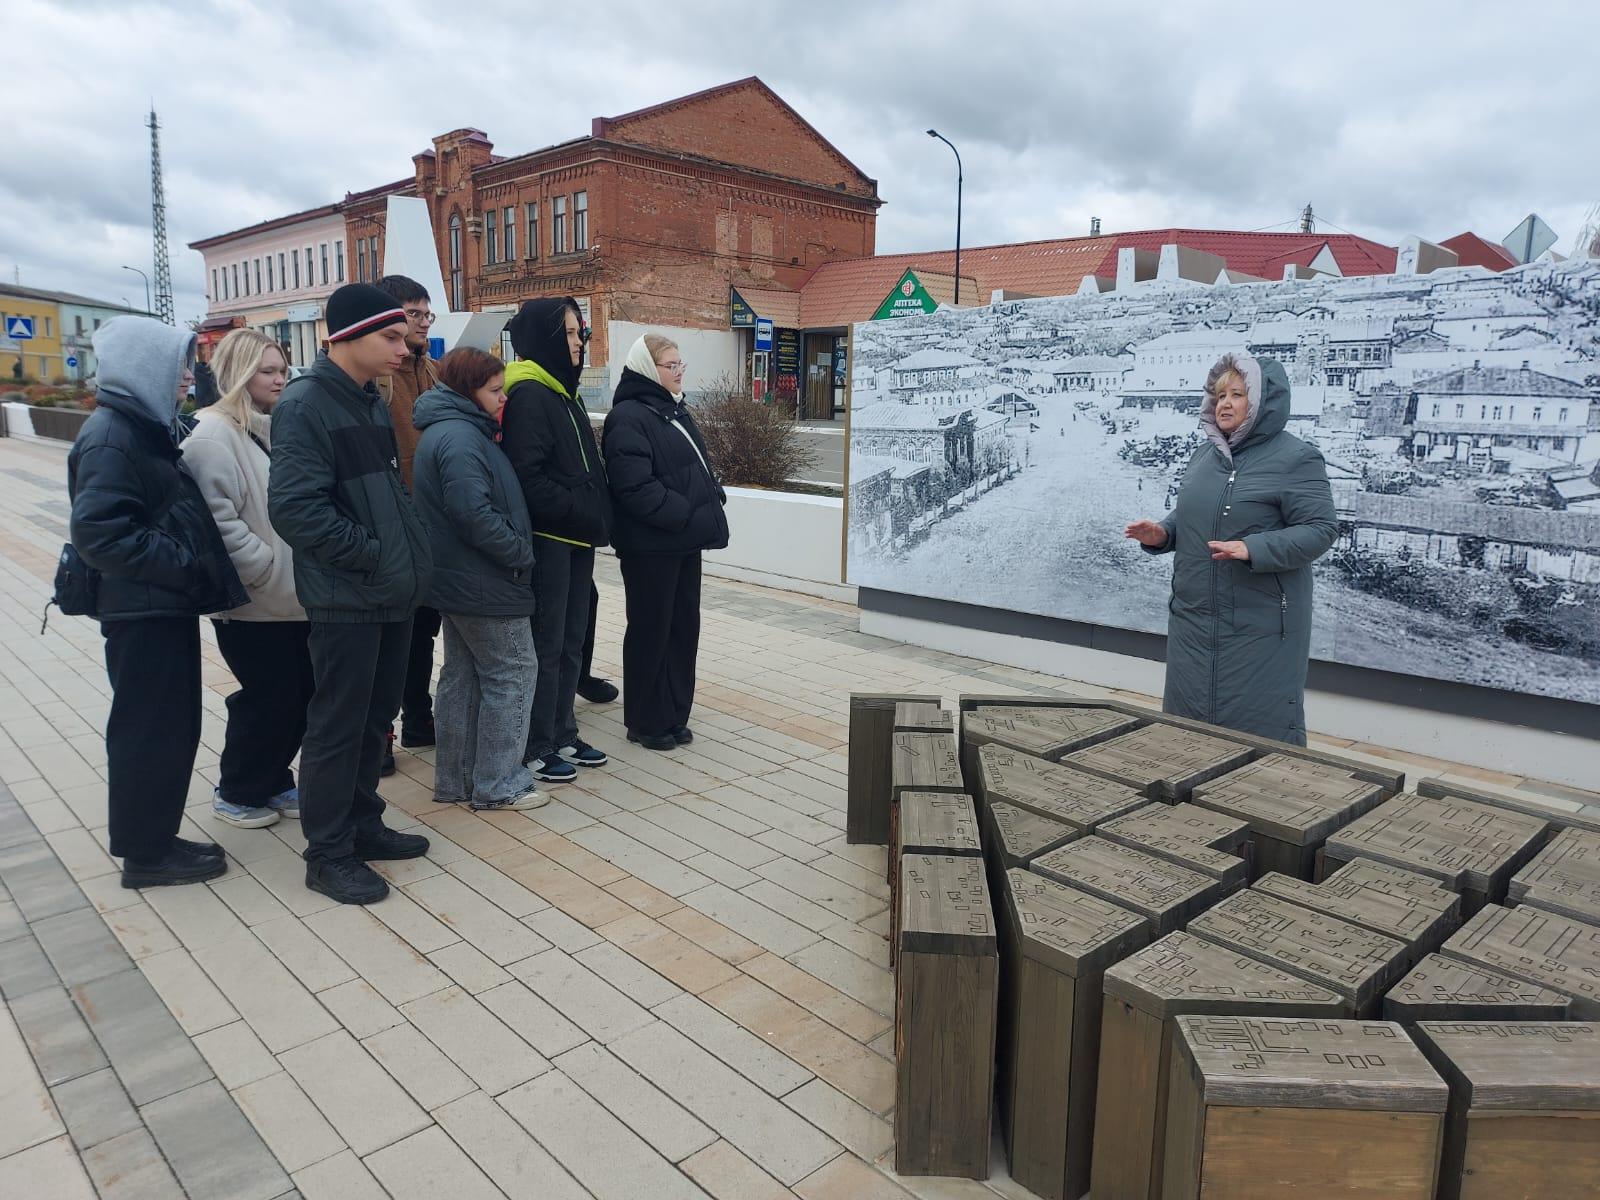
1260	254
1474	251
779	305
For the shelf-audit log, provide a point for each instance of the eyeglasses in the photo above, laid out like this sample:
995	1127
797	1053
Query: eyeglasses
672	366
420	318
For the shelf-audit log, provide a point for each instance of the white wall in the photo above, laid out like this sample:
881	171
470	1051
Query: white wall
709	353
1516	749
783	540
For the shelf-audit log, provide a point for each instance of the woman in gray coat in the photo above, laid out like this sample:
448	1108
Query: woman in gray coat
1253	512
482	541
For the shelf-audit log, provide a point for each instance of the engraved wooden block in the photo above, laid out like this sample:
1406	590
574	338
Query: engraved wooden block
1177	976
923	716
867	799
1163	762
921	762
1513	801
934	823
1060	941
946	992
1471	848
1453	989
1420	918
1291	808
1563	878
1189	835
1262	1107
1069	796
1045	732
1018	836
1544	948
1524	1115
1165	893
1357	963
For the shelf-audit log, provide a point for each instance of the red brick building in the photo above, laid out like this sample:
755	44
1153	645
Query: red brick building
649	220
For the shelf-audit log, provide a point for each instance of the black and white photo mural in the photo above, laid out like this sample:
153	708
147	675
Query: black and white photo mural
997	453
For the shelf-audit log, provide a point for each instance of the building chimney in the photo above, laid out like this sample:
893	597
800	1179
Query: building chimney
1094	226
1524	364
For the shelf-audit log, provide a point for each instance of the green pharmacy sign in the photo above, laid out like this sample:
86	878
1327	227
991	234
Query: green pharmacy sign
909	299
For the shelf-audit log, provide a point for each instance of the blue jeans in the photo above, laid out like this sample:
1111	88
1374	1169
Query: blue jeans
481	710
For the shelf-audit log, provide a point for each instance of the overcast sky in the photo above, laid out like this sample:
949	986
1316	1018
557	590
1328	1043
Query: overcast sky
1390	118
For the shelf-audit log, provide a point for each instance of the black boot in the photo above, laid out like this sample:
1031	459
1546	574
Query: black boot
596	690
204	849
347	880
654	741
178	866
386	843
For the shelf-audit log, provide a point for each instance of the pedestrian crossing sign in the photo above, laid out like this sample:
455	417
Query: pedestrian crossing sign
19	328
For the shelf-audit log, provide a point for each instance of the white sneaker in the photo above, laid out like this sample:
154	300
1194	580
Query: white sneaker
528	799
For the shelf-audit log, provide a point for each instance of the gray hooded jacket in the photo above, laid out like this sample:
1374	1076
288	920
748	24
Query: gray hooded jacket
1239	633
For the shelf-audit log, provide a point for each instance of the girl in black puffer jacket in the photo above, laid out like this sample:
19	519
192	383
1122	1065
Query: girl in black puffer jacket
668	508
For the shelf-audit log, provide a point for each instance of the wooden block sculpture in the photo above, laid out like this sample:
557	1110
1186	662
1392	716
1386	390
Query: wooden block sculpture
1162	762
1563	878
946	993
1050	789
1452	989
1366	895
1524	1115
1291	807
867	798
1357	963
923	716
1060	940
1262	1108
1017	836
1209	842
1553	951
936	823
1181	975
920	762
1045	732
1164	893
1471	848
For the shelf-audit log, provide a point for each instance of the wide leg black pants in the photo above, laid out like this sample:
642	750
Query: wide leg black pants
267	715
662	641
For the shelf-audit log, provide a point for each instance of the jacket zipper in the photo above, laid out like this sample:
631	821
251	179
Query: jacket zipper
1283	607
1216	613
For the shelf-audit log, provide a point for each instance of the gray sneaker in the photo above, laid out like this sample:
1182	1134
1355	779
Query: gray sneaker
242	815
528	799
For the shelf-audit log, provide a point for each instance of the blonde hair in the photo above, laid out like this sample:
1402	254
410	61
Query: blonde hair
1227	367
658	345
237	359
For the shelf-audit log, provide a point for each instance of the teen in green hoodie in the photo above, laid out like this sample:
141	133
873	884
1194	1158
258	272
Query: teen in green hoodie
551	446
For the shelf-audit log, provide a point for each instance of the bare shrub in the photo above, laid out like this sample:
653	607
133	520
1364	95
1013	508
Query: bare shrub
751	444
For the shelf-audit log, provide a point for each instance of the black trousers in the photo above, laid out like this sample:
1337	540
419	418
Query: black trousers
662	642
586	670
360	673
267	715
562	579
153	730
416	705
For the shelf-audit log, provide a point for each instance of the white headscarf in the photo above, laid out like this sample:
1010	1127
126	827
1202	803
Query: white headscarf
643	362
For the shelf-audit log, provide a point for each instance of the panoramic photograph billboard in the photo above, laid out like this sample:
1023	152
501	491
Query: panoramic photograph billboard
997	453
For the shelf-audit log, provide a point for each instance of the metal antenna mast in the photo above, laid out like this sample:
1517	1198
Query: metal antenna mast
1308	220
158	226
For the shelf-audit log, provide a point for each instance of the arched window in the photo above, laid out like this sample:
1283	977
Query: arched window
457	301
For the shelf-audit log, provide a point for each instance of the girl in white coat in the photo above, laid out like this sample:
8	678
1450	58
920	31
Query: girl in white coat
265	641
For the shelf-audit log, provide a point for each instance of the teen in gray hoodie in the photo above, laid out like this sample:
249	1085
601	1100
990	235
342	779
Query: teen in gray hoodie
140	522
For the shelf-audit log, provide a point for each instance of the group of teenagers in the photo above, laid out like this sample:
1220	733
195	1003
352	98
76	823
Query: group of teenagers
333	525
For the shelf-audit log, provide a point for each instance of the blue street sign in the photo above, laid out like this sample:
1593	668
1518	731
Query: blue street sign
436	347
764	334
19	329
72	360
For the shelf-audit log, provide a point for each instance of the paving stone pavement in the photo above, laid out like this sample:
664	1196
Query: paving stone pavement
671	981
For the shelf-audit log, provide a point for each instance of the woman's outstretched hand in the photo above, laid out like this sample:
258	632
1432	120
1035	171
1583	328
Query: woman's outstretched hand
1147	533
1223	551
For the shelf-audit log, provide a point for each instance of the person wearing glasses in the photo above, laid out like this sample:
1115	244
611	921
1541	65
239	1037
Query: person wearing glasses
400	390
669	508
547	436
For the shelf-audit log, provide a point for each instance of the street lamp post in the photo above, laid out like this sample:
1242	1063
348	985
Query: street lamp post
146	279
934	133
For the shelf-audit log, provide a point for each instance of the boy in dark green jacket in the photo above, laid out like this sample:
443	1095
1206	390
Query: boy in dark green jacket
362	565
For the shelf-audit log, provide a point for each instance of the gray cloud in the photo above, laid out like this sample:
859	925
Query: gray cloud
1391	119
